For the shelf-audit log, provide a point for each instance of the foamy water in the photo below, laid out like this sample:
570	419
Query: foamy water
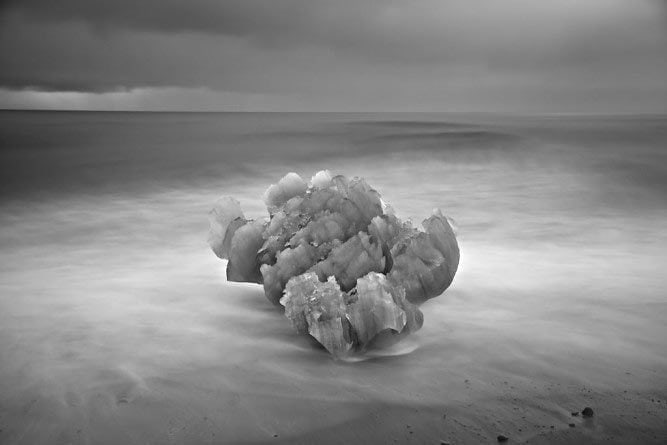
116	320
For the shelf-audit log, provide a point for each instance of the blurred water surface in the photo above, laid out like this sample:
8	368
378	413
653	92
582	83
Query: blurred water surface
106	280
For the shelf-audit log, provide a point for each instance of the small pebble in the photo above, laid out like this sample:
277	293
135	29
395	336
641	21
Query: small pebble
587	412
575	413
572	425
444	442
502	438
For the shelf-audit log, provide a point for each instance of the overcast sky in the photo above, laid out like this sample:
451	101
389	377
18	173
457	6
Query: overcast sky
338	55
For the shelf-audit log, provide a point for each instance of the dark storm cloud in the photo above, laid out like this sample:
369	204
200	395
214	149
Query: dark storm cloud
422	50
430	29
54	57
236	17
266	22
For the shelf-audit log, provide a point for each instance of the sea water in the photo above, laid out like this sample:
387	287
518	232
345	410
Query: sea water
108	288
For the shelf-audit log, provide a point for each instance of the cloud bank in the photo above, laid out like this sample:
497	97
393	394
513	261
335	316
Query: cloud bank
519	55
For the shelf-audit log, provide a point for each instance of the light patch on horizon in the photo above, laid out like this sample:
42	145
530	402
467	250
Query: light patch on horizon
144	99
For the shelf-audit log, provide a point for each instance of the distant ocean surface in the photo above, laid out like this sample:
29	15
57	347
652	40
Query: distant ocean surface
562	224
580	181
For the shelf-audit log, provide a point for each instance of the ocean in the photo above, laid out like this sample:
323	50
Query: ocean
117	324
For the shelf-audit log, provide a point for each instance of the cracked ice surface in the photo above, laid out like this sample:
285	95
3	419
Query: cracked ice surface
344	267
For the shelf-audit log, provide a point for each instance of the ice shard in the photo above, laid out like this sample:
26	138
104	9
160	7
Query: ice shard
318	308
225	218
377	305
353	259
345	268
244	262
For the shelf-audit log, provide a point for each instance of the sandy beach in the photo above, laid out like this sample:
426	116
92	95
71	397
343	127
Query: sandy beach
117	324
222	365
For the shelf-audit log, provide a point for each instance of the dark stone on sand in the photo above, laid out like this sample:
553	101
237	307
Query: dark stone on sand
587	412
502	438
572	425
575	413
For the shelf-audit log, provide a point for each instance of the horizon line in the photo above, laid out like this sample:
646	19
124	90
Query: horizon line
516	113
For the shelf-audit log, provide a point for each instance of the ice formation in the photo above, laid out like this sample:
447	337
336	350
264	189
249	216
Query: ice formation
345	268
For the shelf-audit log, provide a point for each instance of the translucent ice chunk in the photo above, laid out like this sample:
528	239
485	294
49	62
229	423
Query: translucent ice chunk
343	322
389	229
224	219
321	179
289	263
347	270
288	187
374	308
425	262
326	228
319	309
443	238
243	262
353	259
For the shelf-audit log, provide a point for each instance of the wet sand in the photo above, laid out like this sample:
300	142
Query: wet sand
219	364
